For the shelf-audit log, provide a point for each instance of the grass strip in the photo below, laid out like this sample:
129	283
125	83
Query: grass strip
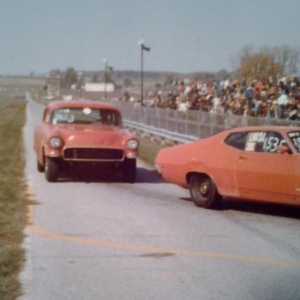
149	148
13	200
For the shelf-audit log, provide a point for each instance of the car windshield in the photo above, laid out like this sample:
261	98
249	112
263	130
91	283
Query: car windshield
86	115
295	138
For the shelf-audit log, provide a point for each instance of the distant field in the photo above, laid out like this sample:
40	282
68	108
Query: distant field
36	86
40	81
20	81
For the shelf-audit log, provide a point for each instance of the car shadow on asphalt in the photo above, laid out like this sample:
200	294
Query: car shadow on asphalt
272	209
278	210
143	175
148	176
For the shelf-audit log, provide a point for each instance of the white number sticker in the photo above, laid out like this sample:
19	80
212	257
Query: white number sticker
271	144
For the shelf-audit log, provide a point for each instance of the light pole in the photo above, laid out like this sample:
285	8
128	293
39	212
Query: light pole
143	47
106	67
79	75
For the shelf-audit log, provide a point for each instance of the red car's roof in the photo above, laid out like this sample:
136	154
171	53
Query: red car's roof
80	103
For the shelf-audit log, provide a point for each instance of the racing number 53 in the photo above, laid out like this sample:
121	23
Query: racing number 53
271	144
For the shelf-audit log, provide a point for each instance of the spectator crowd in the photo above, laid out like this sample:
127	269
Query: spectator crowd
272	99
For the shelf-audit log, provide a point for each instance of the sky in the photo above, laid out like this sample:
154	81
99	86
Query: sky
184	36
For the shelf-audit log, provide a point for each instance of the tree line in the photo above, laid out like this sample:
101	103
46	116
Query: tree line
268	63
262	64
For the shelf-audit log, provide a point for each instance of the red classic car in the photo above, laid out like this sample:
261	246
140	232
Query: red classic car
253	163
84	133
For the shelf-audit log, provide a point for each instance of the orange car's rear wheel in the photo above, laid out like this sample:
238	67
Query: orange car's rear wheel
203	191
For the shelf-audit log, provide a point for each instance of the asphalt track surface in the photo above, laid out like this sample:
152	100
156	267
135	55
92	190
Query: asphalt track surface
96	237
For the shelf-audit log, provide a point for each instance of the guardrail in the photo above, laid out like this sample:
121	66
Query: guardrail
163	134
182	127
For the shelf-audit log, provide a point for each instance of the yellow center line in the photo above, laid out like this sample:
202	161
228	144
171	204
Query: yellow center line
32	228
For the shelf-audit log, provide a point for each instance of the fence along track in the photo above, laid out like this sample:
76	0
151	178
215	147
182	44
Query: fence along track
182	127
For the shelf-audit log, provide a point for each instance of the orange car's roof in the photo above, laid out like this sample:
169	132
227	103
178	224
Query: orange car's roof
80	103
263	128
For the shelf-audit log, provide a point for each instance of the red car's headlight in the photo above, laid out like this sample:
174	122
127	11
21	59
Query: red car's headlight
132	144
55	142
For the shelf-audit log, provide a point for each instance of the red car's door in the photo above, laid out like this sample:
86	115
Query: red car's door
263	174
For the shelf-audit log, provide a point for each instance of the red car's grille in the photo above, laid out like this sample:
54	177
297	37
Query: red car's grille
101	154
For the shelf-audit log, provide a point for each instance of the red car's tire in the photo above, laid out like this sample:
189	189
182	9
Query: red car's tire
129	170
39	166
51	169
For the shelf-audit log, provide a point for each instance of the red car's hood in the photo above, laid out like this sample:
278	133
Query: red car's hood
93	136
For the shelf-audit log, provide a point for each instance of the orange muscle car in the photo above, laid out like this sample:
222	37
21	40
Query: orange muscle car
86	134
254	163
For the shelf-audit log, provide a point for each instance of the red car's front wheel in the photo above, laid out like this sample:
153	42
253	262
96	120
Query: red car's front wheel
129	170
51	169
39	166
